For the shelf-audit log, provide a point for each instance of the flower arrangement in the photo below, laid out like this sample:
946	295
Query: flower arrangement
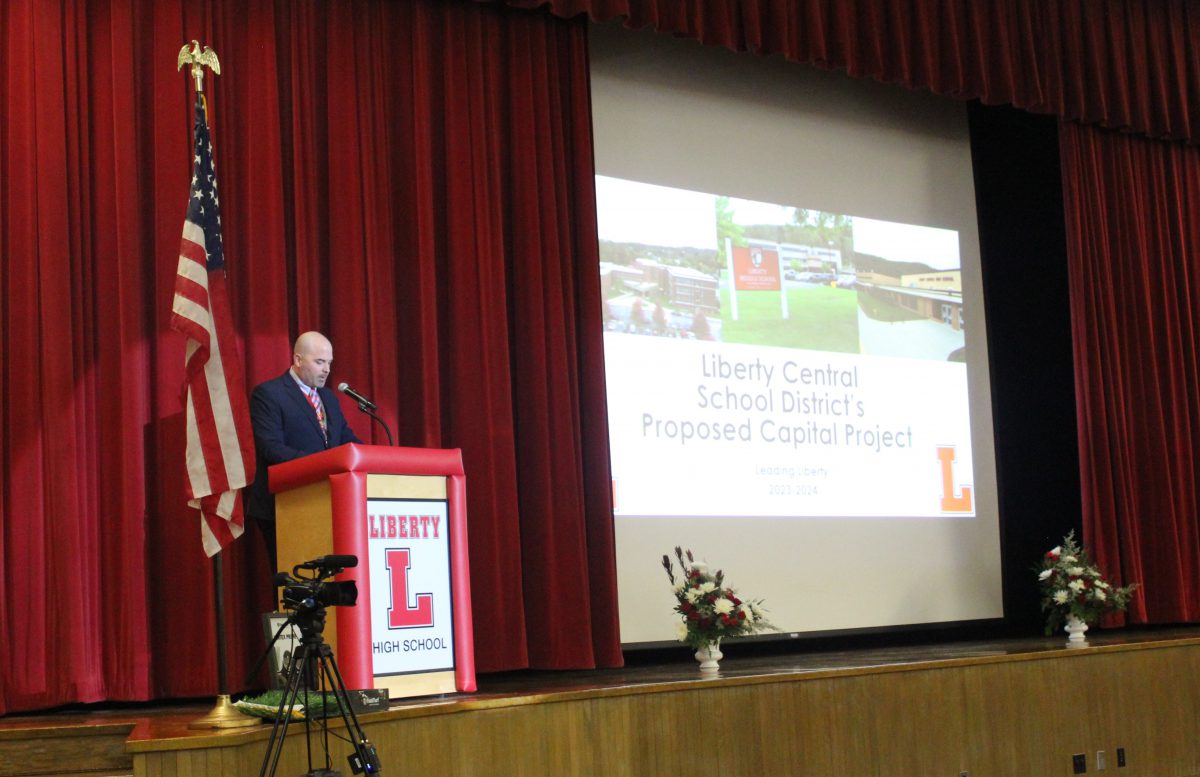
1072	585
709	610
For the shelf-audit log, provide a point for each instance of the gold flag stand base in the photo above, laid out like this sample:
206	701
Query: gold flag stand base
225	715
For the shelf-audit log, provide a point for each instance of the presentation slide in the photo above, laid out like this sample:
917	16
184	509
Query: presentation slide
761	361
795	347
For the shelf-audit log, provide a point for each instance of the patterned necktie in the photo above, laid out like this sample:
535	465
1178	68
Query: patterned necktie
319	409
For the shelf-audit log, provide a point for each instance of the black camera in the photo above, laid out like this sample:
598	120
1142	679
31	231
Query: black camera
315	592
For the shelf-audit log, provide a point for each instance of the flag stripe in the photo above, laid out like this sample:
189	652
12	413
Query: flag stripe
193	235
196	470
223	374
209	453
223	520
192	320
191	281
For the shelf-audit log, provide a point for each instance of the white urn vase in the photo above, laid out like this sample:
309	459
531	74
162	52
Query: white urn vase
709	655
1076	630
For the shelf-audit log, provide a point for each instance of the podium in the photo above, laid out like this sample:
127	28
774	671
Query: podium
402	512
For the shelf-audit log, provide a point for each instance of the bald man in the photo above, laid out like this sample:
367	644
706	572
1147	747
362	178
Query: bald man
293	415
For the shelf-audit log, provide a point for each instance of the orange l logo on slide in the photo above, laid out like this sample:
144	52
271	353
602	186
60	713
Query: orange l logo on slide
950	502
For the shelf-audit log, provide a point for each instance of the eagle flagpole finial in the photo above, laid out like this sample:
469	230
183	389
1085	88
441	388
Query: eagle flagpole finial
198	58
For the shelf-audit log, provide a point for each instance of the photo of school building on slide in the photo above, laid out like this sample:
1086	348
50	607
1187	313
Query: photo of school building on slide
682	287
652	298
919	315
712	267
935	295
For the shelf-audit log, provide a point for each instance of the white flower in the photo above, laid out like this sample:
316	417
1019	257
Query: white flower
1057	549
1101	584
693	595
723	606
1075	571
1069	559
1075	585
1061	596
708	587
681	631
1099	595
1045	573
745	607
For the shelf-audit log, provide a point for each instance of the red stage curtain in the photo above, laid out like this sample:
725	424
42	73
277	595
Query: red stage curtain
1134	255
1127	64
413	178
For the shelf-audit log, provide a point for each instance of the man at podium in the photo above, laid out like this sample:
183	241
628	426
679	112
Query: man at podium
293	415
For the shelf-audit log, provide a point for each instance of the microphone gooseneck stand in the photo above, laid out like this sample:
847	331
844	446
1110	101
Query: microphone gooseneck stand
363	407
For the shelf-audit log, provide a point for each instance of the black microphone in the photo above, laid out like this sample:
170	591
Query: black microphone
359	398
330	562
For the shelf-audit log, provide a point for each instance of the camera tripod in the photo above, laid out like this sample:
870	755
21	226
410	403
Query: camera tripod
311	667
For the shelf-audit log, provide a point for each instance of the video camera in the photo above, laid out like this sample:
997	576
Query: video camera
315	592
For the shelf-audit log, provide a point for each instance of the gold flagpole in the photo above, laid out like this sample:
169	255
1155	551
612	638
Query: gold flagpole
223	714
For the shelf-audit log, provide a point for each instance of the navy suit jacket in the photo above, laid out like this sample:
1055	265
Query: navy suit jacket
286	428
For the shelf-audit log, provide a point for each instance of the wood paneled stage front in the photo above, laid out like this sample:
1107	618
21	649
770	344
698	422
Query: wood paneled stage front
1018	707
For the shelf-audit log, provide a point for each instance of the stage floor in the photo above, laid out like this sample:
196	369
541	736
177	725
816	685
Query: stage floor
658	667
872	673
798	660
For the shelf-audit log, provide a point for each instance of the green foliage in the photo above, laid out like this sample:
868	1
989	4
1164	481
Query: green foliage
872	263
726	228
821	318
808	228
266	705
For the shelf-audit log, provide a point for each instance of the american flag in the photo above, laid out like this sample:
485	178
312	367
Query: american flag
220	444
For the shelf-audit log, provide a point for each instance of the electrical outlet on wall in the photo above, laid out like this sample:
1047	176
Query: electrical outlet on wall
1101	761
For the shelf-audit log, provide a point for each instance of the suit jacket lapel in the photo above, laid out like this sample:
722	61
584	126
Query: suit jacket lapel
297	394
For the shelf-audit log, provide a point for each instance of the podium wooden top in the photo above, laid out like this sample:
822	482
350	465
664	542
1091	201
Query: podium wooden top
374	459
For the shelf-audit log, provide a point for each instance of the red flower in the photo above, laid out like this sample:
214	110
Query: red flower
693	616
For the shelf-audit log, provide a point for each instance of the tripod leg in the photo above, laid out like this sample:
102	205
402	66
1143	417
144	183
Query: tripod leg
283	715
364	751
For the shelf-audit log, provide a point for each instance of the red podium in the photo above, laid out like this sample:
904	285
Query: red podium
402	512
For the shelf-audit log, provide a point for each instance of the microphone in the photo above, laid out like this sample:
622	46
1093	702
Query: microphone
366	406
330	562
359	398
